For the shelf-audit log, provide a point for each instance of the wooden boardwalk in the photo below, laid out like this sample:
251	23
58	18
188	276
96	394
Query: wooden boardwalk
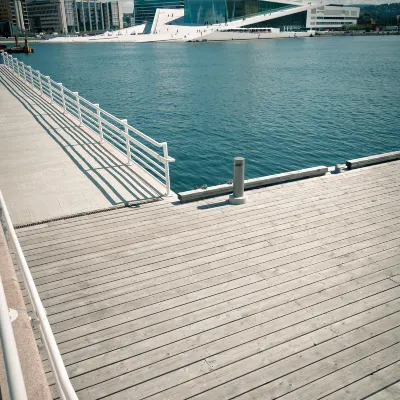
295	295
50	167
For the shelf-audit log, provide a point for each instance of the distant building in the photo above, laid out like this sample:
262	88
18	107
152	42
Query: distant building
208	12
15	12
71	16
332	17
47	16
144	10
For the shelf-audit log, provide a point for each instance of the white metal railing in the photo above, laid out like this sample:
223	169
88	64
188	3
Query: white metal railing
15	379
139	148
63	383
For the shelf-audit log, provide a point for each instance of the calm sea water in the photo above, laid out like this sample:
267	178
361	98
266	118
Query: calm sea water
281	104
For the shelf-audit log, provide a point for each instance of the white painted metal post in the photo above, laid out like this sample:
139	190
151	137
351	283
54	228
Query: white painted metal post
16	66
166	166
99	122
63	97
238	196
40	84
12	365
50	88
128	142
31	76
23	70
78	106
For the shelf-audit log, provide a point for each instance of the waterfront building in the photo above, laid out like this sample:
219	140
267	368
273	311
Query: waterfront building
332	17
15	12
144	10
70	16
47	16
297	15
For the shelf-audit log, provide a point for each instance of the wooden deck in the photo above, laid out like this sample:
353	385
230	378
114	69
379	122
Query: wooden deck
295	295
50	167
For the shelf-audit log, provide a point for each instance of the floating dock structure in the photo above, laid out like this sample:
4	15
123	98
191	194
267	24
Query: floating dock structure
293	295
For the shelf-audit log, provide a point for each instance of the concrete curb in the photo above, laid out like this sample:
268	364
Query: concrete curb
199	194
378	159
31	364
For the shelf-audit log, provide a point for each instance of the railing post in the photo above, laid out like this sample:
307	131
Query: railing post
31	76
78	106
63	97
23	70
40	83
166	166
50	88
16	66
128	142
99	122
238	196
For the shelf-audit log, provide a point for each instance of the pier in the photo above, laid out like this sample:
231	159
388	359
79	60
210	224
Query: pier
294	294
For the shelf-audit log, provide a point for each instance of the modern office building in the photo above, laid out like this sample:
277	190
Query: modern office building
332	17
144	10
15	12
47	16
72	16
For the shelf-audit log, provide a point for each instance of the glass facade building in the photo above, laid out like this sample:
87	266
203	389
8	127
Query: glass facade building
96	16
145	9
203	12
292	22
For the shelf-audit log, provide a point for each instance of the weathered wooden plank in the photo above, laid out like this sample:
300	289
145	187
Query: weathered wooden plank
369	363
145	273
102	324
217	286
199	300
241	345
252	306
104	313
267	197
169	288
88	263
202	259
243	372
379	382
193	218
280	265
224	225
374	173
196	213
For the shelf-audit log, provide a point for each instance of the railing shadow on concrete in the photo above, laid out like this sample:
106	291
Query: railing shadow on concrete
72	133
83	121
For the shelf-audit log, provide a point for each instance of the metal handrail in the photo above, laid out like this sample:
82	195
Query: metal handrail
15	379
89	114
64	385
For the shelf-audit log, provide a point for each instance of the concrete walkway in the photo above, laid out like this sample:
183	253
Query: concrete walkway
50	167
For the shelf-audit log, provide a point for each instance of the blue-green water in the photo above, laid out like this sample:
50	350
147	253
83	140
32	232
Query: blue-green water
282	104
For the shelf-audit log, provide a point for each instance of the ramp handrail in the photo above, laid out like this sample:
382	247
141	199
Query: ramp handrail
64	385
15	379
147	153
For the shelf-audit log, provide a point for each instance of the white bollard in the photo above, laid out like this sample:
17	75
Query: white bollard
238	197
